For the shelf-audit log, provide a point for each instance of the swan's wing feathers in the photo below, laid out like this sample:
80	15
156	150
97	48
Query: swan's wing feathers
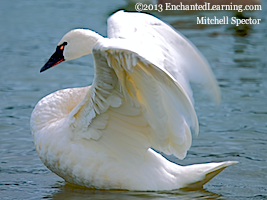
88	118
134	103
184	62
150	97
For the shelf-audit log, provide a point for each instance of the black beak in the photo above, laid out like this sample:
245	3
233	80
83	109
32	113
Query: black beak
55	59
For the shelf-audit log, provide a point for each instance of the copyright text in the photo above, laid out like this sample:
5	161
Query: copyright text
171	7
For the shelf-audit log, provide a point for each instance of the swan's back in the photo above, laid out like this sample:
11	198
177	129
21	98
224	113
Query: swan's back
56	106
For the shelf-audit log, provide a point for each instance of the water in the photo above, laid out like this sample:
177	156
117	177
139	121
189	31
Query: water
237	130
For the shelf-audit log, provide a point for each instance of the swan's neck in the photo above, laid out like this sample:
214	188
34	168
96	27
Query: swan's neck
80	42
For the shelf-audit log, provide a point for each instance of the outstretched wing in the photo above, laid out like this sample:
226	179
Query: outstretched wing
134	104
141	95
182	60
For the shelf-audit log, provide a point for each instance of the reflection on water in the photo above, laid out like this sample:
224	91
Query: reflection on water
243	29
234	131
68	191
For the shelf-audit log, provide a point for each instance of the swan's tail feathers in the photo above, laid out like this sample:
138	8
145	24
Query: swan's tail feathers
200	174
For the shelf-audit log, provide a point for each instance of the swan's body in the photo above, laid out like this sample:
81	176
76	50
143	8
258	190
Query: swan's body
100	136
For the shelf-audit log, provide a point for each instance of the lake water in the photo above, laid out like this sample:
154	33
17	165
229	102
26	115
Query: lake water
236	130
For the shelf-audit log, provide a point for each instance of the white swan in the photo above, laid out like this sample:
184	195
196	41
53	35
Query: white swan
100	136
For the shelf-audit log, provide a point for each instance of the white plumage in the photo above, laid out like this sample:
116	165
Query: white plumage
100	136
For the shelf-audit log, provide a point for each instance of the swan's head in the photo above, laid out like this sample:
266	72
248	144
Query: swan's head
74	44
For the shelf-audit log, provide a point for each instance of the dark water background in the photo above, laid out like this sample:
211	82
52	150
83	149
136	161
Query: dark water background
237	130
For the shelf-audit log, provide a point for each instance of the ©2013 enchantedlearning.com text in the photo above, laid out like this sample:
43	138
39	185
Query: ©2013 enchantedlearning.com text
206	6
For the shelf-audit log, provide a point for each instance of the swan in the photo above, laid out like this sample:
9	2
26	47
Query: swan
101	136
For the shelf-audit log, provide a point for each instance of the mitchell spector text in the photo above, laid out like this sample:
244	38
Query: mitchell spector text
225	20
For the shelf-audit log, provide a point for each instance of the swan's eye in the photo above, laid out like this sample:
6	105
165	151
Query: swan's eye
61	47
